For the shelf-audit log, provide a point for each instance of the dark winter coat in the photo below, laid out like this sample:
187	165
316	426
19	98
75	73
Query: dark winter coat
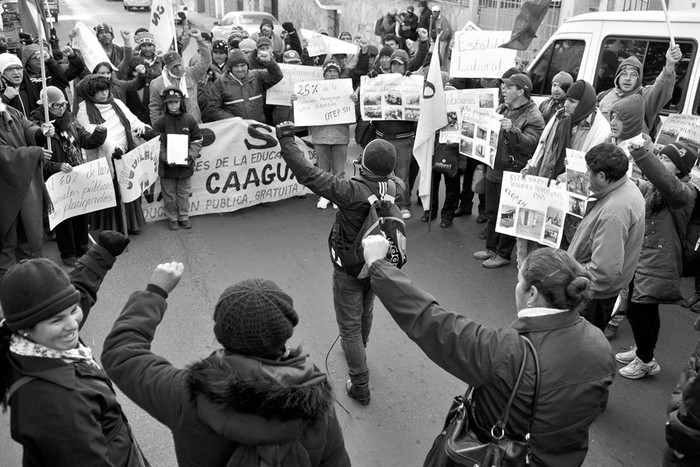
658	274
68	414
347	194
226	409
180	124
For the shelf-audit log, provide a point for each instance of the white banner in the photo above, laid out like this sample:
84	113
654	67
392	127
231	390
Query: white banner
532	208
86	188
319	44
479	134
162	24
91	51
456	101
325	102
138	170
391	96
240	166
281	93
476	54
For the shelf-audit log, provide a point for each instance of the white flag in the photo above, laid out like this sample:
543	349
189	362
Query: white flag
162	24
433	116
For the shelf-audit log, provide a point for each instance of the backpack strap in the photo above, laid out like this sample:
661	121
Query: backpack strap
18	384
387	190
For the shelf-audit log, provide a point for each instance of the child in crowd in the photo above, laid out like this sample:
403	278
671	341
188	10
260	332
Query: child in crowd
176	178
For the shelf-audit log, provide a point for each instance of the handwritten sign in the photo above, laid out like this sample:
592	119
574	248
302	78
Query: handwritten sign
577	183
91	51
456	101
476	54
325	102
532	208
685	128
86	188
391	96
137	170
319	44
479	133
281	93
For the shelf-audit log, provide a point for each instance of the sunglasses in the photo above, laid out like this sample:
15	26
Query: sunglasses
59	105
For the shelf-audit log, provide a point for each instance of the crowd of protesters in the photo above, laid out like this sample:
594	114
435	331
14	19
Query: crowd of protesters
256	400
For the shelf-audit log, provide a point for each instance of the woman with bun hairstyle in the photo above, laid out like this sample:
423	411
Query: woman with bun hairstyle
63	409
576	361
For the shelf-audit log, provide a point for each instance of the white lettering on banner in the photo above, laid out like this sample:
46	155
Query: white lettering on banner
138	170
476	54
281	93
241	168
86	188
325	102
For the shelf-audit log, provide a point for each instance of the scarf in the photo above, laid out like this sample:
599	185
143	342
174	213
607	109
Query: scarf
182	85
20	345
94	114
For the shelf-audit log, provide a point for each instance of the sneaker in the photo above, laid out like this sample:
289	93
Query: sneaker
405	214
185	224
628	356
637	369
484	255
482	219
172	225
70	261
495	262
359	392
322	203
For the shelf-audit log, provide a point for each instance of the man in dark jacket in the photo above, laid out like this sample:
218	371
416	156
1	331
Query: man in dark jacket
353	298
521	128
253	402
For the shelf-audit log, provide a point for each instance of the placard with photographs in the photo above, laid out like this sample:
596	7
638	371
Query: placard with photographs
532	208
391	96
577	183
457	100
479	132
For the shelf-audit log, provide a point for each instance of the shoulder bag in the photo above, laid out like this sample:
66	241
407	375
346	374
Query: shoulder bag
458	444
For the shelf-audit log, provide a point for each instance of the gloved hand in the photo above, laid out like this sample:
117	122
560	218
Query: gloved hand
288	26
372	73
114	242
285	129
408	73
118	153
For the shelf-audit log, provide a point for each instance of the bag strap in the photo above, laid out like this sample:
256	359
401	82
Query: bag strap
537	382
18	384
373	197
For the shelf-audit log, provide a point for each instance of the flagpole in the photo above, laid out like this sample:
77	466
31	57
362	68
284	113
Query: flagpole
174	29
45	98
668	23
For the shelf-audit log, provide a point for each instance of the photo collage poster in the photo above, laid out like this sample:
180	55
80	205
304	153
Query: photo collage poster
577	183
479	133
391	97
457	100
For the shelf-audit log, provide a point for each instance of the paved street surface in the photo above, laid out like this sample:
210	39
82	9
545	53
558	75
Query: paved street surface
286	242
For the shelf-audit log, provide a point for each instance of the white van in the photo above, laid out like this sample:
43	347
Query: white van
590	47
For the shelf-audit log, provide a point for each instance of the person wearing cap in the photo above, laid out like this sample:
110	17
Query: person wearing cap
105	36
63	408
439	25
247	46
353	298
176	179
560	84
237	34
255	400
175	73
521	129
263	45
67	147
409	27
119	88
669	201
629	79
240	91
267	30
382	63
146	49
424	15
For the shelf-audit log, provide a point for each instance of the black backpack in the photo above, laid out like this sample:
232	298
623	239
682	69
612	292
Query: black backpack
384	218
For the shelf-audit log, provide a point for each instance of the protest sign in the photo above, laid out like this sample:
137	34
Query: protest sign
325	102
319	44
391	97
685	128
476	54
137	170
91	51
240	166
479	134
86	188
471	27
532	208
455	101
577	183
281	93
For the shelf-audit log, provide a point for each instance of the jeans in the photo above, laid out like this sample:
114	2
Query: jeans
645	323
451	196
404	154
354	303
500	243
331	158
176	197
598	311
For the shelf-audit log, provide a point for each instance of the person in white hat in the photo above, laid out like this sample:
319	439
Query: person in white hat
439	25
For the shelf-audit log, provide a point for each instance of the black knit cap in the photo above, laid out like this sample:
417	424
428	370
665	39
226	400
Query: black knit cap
682	155
236	57
379	157
34	290
254	317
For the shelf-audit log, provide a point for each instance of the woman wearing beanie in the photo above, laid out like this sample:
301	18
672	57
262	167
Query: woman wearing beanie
63	409
669	197
253	402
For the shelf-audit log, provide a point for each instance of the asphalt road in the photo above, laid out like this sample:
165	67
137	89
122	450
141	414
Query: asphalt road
286	242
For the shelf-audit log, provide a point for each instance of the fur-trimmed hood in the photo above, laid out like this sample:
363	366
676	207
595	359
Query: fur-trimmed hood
255	401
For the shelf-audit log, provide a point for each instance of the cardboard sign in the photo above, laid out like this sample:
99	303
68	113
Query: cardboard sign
318	44
476	54
479	133
86	188
325	102
456	101
391	96
137	170
281	93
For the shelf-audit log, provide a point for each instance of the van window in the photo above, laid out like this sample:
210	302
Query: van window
652	54
561	55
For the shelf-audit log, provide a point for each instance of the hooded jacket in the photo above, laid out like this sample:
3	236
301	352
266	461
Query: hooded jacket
630	112
226	409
